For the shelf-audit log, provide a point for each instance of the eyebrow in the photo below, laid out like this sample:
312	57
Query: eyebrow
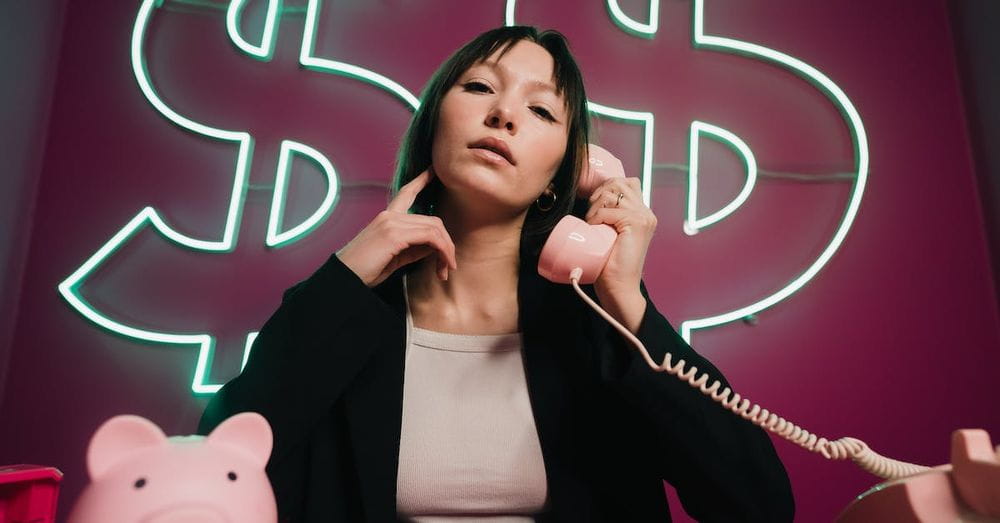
535	84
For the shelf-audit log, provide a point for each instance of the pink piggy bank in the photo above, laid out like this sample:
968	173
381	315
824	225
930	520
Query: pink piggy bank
138	474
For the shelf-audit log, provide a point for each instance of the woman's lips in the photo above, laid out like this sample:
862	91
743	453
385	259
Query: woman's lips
490	156
496	145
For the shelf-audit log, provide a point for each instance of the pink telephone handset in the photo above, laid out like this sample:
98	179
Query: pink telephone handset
575	244
576	252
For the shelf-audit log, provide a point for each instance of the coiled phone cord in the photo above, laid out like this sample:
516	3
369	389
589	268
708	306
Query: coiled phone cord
842	448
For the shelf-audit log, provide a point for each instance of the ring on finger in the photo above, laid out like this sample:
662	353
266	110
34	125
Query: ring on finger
620	196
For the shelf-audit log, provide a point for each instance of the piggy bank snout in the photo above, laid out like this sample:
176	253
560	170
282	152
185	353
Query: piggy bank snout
187	514
193	482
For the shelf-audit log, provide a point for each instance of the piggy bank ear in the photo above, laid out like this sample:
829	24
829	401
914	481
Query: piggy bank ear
117	439
246	432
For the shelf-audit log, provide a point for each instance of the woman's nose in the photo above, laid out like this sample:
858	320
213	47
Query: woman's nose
501	117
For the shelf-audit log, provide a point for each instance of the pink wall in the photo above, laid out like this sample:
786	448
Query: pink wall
896	341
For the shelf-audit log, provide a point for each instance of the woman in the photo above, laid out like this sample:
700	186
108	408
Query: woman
427	372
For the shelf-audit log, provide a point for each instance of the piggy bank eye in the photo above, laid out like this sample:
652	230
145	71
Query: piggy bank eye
139	483
231	476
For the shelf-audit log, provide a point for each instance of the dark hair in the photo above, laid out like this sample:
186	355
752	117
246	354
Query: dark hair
415	151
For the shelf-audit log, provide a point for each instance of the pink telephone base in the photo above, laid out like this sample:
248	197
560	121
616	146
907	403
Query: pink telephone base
967	490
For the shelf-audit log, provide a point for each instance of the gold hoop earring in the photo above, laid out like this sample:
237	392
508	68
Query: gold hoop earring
551	204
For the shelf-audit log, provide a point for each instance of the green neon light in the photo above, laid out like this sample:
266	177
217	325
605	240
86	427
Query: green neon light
148	216
692	225
69	288
274	222
251	336
242	138
858	135
508	14
627	23
309	61
265	50
70	291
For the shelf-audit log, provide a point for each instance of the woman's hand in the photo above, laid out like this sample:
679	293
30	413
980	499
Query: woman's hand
394	239
618	285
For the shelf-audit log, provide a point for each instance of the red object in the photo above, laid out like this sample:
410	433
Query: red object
28	493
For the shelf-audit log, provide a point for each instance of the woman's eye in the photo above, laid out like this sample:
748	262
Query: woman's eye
540	111
477	86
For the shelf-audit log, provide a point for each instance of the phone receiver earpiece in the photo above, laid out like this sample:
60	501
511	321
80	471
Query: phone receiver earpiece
600	167
574	243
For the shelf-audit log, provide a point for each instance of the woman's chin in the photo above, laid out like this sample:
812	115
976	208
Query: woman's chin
482	203
483	190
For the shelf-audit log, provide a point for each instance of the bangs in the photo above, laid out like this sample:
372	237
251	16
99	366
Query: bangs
565	74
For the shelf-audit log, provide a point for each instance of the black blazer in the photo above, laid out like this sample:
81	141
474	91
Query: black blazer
326	371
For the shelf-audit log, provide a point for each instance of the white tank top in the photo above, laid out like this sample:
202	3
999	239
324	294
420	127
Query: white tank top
468	448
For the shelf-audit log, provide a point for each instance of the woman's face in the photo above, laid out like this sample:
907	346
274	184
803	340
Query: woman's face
512	103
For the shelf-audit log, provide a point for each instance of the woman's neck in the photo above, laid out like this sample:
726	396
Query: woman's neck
480	297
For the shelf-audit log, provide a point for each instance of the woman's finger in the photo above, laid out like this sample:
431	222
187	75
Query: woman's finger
622	218
438	225
628	188
413	234
408	193
598	193
607	186
445	248
611	200
408	256
608	215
